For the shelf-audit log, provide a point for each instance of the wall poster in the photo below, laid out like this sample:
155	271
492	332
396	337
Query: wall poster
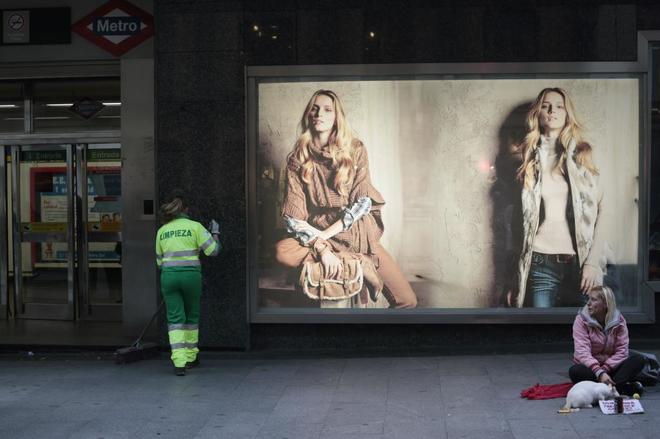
488	194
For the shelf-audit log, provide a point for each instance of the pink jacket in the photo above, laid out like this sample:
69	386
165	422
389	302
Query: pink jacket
601	350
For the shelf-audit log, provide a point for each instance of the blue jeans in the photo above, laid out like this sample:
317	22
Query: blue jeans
554	280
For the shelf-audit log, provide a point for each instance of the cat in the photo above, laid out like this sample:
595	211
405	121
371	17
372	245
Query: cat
584	393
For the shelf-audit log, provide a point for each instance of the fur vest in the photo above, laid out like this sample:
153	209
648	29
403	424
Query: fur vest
585	198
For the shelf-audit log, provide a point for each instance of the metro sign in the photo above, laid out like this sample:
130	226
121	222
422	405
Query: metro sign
117	26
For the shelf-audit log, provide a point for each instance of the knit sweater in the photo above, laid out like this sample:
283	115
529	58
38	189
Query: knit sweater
553	235
321	205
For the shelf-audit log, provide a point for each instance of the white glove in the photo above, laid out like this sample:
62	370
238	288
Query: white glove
359	209
301	229
214	227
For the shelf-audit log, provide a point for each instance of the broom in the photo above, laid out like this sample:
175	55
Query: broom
138	350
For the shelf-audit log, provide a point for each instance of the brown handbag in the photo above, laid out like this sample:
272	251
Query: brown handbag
356	270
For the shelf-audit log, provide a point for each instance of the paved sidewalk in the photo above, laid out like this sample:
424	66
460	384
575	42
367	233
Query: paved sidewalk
246	396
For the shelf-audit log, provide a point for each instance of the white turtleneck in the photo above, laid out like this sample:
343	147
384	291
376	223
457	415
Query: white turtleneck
553	235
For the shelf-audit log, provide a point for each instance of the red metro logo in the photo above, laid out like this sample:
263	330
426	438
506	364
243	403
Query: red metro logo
117	26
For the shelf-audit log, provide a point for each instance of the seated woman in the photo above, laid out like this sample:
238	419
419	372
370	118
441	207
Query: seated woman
600	336
330	205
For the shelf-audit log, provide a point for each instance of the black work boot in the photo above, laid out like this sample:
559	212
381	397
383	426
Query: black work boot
191	364
179	371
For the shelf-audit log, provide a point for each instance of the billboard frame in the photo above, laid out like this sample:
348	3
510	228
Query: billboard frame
643	313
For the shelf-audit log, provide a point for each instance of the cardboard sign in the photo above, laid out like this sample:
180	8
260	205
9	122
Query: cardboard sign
630	406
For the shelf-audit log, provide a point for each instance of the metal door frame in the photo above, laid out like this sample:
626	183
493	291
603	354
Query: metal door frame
4	235
87	309
78	304
82	250
41	310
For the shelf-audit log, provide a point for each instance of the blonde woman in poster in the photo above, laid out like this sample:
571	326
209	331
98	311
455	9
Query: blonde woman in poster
562	207
330	204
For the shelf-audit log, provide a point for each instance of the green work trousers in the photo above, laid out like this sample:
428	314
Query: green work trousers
181	290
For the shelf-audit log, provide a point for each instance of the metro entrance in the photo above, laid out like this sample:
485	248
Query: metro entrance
60	211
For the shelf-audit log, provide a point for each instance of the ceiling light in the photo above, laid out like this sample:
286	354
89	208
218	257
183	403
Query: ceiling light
66	104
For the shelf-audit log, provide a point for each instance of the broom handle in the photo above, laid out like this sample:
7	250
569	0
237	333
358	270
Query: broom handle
153	317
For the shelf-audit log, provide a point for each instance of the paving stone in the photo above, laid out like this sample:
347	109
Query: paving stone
557	428
422	429
289	430
615	434
301	412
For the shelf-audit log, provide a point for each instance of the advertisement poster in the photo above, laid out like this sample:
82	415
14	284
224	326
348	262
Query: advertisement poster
453	221
54	210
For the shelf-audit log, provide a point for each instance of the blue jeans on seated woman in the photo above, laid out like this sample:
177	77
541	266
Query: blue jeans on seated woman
554	280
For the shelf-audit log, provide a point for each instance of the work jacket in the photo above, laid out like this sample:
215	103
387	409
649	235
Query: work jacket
179	242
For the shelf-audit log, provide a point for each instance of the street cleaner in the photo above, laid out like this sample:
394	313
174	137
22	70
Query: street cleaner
178	244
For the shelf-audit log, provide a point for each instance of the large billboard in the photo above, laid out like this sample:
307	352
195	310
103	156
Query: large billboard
483	194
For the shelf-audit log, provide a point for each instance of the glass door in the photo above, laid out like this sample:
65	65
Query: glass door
61	258
100	243
4	235
41	243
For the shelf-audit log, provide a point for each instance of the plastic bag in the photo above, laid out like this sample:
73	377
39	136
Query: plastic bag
650	374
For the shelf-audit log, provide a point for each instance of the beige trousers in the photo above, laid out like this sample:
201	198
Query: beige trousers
397	289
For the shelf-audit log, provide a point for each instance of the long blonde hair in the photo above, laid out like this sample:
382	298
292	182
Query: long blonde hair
340	144
607	295
572	131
